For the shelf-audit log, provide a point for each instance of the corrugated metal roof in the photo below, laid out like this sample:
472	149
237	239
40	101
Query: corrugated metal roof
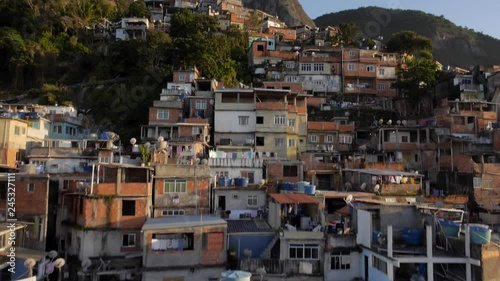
242	226
383	172
182	221
293	198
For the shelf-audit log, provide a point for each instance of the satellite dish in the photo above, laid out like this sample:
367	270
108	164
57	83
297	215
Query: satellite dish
347	186
29	263
363	186
404	122
160	139
398	122
86	264
348	199
59	263
247	253
133	141
262	182
147	145
261	271
204	161
389	122
440	204
376	189
54	254
211	101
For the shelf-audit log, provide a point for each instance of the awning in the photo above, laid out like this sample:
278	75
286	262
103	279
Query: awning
293	198
344	211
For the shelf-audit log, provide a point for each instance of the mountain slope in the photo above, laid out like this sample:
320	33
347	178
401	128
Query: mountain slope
453	45
290	11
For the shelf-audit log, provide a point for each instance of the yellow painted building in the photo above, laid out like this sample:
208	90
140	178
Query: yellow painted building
13	136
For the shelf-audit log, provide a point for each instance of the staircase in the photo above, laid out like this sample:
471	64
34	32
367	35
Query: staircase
267	251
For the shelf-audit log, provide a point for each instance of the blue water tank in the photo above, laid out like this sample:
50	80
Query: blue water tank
310	189
480	234
287	186
412	236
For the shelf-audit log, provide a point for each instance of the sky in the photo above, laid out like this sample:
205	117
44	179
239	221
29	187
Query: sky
479	15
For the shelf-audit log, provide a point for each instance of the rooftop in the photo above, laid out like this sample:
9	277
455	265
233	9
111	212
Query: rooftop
293	198
182	221
241	226
383	172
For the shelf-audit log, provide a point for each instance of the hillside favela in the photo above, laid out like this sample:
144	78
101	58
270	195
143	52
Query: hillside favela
241	140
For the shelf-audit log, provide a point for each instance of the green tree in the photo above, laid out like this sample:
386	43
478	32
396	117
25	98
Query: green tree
416	79
156	52
254	22
408	43
347	34
138	9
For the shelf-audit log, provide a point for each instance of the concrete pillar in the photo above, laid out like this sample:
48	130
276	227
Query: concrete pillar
389	241
468	267
429	244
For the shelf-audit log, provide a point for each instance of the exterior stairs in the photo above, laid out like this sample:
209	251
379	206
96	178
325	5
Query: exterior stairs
267	252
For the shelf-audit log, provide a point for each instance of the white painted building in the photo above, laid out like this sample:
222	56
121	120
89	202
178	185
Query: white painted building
235	116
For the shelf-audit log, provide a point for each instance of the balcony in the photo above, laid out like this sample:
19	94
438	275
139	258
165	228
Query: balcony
271	106
235	163
471	88
302	234
175	103
288	267
341	241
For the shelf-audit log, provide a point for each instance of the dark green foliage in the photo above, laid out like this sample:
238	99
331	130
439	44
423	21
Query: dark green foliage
48	51
454	45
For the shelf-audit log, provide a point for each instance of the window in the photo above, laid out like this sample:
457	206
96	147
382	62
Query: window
380	264
219	174
259	141
279	119
370	68
305	67
329	138
290	65
174	186
381	87
346	139
279	141
172	242
172	212
291	142
104	159
201	104
352	53
340	261
35	124
182	77
128	207
243	120
303	251
23	131
291	122
80	206
249	175
477	182
162	114
260	48
381	71
313	138
319	67
351	67
197	131
260	120
290	171
57	129
128	240
17	130
252	201
31	187
404	138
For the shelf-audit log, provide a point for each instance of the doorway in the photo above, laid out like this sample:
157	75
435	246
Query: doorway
366	268
222	202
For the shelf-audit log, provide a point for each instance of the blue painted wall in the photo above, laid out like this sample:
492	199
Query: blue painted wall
255	242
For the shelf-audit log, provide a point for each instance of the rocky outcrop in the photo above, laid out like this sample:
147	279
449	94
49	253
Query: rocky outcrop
289	11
